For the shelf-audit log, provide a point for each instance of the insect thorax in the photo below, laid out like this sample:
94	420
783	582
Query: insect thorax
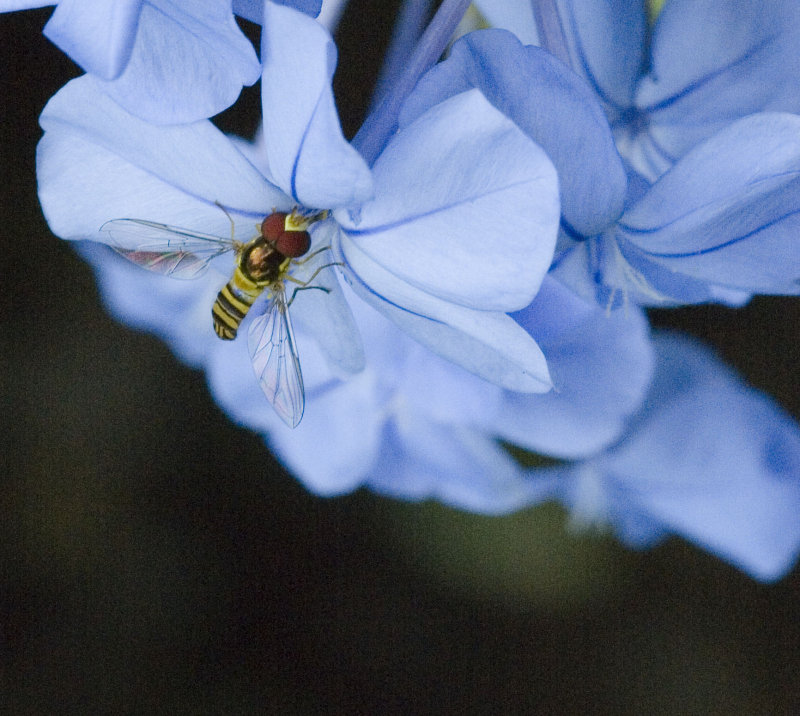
262	263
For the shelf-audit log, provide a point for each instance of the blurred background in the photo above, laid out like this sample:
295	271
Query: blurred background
155	558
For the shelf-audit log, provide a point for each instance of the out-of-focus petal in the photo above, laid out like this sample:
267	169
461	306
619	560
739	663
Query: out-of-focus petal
98	35
729	212
188	63
178	312
601	365
13	5
551	104
714	62
195	160
513	15
253	10
307	152
465	207
487	343
606	41
460	467
714	461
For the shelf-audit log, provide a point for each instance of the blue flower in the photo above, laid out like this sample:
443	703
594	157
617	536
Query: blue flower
710	63
694	453
719	225
707	458
452	228
165	62
410	424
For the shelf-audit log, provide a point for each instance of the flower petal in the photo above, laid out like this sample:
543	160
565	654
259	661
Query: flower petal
551	105
513	15
253	10
325	313
195	160
466	207
601	364
605	41
185	65
729	211
715	62
13	5
308	155
606	46
178	312
486	343
715	461
460	467
99	36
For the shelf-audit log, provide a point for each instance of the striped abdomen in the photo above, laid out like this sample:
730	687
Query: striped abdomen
233	302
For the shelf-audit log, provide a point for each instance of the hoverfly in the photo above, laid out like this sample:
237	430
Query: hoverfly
262	264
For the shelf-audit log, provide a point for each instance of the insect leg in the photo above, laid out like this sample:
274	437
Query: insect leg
305	288
313	275
306	259
233	226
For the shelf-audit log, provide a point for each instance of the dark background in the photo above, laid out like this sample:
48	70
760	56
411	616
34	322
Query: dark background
155	558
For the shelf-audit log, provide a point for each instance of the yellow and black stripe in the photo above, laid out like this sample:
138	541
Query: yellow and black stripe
233	302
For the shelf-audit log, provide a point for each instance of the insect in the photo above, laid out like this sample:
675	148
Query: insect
262	264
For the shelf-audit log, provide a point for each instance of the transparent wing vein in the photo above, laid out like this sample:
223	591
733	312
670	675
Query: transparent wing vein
167	250
275	360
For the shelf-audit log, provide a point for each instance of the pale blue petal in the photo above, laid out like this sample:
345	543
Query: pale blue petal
714	62
716	462
196	159
178	312
465	207
338	441
601	365
463	468
253	10
187	63
513	15
607	40
13	5
577	266
98	36
551	105
83	185
325	313
729	211
486	343
307	153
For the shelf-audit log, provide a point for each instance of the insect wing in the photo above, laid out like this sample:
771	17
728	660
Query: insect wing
275	361
168	250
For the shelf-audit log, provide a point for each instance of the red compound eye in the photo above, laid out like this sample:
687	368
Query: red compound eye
273	226
293	243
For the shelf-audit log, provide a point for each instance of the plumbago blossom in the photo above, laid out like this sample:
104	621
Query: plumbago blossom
163	61
429	368
707	458
410	424
713	198
706	64
105	163
443	219
647	458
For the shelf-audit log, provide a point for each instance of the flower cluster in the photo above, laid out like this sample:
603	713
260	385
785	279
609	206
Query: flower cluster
482	250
